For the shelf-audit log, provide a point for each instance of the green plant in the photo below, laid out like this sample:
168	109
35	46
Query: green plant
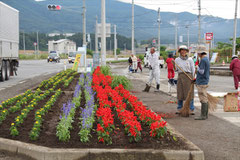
106	70
89	52
121	80
118	51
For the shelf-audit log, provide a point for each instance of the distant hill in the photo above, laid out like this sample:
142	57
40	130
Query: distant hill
34	16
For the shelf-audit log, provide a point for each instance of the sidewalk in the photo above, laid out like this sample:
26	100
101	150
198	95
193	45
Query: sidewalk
233	117
218	138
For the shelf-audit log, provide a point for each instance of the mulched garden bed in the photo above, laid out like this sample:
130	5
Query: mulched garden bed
48	136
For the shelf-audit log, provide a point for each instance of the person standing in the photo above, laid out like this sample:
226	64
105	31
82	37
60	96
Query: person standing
154	71
130	64
139	61
134	63
170	69
183	82
235	68
203	72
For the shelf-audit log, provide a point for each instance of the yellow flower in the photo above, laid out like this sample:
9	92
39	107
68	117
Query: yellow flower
17	120
36	122
22	113
39	116
37	112
3	111
18	117
12	124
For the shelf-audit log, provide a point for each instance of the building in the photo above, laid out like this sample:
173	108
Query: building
62	46
58	34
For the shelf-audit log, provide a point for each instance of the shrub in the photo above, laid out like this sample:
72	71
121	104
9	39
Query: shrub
117	80
106	70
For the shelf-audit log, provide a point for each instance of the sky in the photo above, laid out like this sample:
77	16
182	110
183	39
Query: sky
218	8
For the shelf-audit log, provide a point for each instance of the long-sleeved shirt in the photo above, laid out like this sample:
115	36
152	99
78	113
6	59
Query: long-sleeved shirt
203	72
235	66
153	60
187	65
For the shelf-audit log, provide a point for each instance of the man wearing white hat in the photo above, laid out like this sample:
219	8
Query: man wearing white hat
184	83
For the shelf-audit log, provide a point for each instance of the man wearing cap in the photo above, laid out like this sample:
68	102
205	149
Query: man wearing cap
184	83
235	67
203	72
154	71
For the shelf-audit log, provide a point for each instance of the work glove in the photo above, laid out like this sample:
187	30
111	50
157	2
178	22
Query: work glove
194	80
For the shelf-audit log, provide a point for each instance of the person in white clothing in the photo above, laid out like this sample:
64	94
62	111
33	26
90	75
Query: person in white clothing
134	62
154	71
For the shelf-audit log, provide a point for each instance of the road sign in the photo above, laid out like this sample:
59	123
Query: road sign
180	39
154	41
76	62
209	36
108	30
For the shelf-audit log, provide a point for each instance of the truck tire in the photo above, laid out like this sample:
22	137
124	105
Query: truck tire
8	70
3	72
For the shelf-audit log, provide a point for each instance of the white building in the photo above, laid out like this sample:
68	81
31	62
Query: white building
62	46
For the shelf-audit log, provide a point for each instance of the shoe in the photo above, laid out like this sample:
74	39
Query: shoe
157	88
170	81
178	111
147	88
204	112
192	112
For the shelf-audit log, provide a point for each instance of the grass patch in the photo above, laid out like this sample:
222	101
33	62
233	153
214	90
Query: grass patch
117	80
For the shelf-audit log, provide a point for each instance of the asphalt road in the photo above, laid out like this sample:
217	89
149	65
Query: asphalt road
32	68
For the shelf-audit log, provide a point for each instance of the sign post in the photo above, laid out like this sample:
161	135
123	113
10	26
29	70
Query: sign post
209	37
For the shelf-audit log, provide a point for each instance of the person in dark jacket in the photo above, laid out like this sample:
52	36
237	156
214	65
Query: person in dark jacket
202	80
235	67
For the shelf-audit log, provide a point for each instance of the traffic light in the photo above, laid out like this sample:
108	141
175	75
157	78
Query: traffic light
53	7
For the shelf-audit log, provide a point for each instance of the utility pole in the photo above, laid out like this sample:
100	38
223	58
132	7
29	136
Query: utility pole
84	23
110	43
24	43
96	36
103	38
176	34
115	42
133	42
188	43
199	22
37	44
235	29
159	23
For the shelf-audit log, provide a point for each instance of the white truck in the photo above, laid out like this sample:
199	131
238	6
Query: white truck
9	41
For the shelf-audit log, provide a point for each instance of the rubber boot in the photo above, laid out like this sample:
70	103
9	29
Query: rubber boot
157	88
204	112
147	88
207	111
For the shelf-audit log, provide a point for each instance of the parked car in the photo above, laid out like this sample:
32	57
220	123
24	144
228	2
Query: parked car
53	57
71	57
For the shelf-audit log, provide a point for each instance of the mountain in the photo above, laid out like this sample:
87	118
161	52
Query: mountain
34	16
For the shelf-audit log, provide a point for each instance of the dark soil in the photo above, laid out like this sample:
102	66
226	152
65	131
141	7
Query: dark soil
48	136
27	125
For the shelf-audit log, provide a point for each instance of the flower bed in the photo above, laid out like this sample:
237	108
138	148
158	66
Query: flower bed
92	115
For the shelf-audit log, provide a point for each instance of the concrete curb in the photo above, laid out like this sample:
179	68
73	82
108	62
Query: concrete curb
221	72
45	153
